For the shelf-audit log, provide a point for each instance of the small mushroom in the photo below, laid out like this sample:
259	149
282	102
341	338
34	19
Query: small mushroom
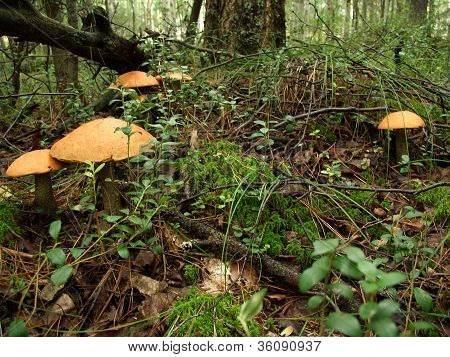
138	80
102	141
38	163
175	79
399	122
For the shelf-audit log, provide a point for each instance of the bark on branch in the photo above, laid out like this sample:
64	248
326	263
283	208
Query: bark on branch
22	20
234	248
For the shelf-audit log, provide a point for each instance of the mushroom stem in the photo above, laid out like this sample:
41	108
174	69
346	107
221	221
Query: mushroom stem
401	144
44	198
110	192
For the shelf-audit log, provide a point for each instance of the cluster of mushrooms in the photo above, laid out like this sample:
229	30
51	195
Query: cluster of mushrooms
98	141
102	141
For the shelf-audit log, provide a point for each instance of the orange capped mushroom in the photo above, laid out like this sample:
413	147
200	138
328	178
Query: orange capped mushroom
103	140
135	79
38	163
399	122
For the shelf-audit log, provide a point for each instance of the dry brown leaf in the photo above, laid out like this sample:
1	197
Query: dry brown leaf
215	277
49	291
146	285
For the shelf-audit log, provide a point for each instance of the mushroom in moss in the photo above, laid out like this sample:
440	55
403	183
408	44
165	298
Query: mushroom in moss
103	141
137	80
399	122
38	163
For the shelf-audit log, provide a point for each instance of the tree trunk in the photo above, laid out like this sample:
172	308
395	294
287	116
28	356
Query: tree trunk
382	9
347	16
245	26
60	57
418	11
19	53
72	19
355	14
21	19
364	9
193	19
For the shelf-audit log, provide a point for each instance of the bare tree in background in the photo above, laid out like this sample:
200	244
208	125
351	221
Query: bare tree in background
193	18
355	14
72	19
54	10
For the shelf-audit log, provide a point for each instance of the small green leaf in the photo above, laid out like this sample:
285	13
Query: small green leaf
344	323
423	299
324	246
76	252
368	269
369	287
390	279
17	328
387	307
315	301
56	256
112	219
346	267
354	254
252	307
99	167
61	275
368	310
341	289
421	326
384	327
313	275
55	228
123	252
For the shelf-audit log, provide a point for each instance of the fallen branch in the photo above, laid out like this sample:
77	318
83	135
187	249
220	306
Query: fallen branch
98	42
235	249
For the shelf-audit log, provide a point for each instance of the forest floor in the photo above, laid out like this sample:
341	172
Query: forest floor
275	152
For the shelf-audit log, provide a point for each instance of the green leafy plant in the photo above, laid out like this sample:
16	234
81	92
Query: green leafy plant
251	308
351	263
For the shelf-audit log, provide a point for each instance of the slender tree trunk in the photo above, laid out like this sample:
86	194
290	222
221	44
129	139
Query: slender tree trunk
59	56
245	26
382	9
355	14
347	16
193	19
18	50
72	19
331	12
364	9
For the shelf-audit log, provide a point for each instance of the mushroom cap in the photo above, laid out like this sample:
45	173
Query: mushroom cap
135	79
100	141
175	76
34	163
401	120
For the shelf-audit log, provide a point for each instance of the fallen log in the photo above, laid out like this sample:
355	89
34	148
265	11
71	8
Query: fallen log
234	249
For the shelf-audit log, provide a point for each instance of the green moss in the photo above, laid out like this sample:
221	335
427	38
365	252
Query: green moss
302	255
7	214
439	199
224	322
191	274
222	163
